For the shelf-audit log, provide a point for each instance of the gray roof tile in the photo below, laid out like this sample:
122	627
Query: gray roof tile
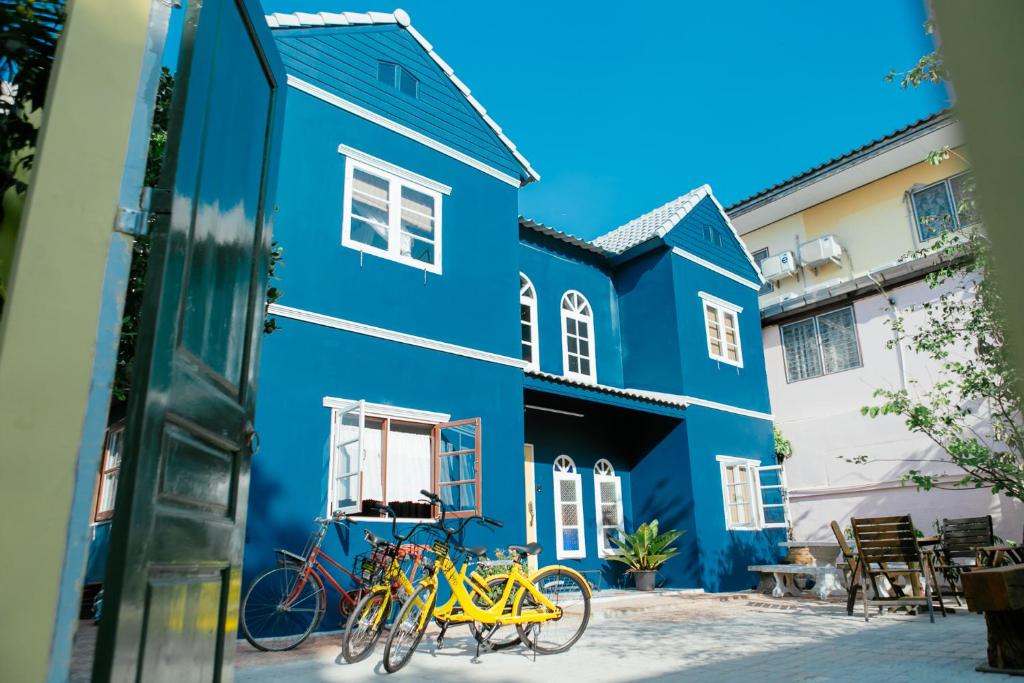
652	224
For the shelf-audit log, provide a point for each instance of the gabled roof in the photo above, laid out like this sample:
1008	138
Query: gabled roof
279	20
652	224
536	226
849	158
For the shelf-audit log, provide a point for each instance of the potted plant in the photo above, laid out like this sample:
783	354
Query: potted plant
644	550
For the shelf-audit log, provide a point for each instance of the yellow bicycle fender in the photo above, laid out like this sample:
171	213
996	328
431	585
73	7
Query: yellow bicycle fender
568	570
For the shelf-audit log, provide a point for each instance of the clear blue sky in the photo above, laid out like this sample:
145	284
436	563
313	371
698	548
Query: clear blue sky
621	106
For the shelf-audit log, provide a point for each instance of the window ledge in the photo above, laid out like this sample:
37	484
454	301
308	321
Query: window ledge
400	520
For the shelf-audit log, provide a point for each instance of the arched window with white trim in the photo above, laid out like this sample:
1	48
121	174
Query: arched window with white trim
528	322
608	500
578	337
569	541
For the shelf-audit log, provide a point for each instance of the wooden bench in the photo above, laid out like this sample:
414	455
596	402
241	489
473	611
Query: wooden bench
826	579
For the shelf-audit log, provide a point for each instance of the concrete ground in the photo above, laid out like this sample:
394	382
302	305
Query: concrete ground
746	637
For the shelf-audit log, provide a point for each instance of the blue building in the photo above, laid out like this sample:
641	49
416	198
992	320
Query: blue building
431	338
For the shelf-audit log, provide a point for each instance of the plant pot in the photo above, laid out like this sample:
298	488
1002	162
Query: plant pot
644	580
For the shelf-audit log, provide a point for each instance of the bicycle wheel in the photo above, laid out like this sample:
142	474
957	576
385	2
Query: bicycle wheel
365	625
497	637
409	627
571	595
281	608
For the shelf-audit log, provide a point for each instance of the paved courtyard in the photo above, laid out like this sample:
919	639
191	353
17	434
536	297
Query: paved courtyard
745	637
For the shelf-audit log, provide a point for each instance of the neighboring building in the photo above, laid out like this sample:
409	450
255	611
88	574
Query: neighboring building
829	240
571	389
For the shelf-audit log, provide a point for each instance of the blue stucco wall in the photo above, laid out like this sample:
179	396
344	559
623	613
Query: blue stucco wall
472	303
651	355
689	235
724	554
303	363
703	376
555	268
343	61
601	433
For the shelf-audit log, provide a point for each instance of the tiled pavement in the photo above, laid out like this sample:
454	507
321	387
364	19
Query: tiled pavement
694	638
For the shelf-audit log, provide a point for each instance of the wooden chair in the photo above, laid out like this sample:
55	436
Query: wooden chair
849	568
887	546
959	540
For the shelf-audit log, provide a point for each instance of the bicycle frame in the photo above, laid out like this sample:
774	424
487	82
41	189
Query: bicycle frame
312	564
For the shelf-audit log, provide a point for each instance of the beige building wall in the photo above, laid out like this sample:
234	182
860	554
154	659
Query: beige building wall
821	416
873	223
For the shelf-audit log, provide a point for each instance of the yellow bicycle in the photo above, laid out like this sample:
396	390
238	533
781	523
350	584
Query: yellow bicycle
392	583
549	608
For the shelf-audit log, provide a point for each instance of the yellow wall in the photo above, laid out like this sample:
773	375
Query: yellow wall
873	223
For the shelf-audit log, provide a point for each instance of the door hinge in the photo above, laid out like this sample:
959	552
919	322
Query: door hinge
134	221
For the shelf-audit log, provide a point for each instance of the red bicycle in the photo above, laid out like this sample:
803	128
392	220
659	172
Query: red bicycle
286	603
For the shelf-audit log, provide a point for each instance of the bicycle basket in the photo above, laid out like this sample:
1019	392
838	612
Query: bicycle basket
371	567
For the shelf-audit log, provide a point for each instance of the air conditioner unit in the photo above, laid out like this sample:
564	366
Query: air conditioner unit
779	266
821	250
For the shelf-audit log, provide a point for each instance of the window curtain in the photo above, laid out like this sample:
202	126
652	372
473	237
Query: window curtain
409	460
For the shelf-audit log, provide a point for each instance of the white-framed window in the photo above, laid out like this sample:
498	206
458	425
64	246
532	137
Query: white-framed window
578	358
528	322
945	205
722	324
383	454
821	345
568	488
608	501
754	495
110	472
391	212
758	256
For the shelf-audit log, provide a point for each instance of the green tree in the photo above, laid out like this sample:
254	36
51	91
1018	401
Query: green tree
973	411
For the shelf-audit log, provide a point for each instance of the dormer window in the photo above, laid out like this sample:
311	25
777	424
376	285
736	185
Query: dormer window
713	236
399	78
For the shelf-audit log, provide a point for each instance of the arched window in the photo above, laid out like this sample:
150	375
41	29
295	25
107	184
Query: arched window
578	337
608	499
569	541
528	322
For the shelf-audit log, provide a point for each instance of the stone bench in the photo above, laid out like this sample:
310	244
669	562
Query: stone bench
827	580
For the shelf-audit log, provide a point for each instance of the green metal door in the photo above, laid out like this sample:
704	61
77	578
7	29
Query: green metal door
174	570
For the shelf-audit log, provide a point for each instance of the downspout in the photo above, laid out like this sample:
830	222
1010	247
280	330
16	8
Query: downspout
894	314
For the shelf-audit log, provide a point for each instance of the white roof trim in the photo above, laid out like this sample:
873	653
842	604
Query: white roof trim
717	269
401	18
673	399
385	122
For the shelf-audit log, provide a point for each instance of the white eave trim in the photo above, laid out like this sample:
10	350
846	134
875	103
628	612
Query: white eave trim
714	405
721	303
385	410
392	335
388	167
718	269
396	127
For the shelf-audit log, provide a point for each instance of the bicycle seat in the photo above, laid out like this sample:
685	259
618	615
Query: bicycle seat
528	549
371	539
475	550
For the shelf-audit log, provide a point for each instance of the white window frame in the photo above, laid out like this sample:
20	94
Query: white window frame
379	411
599	478
756	491
333	476
719	306
767	287
560	475
591	339
528	298
397	178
